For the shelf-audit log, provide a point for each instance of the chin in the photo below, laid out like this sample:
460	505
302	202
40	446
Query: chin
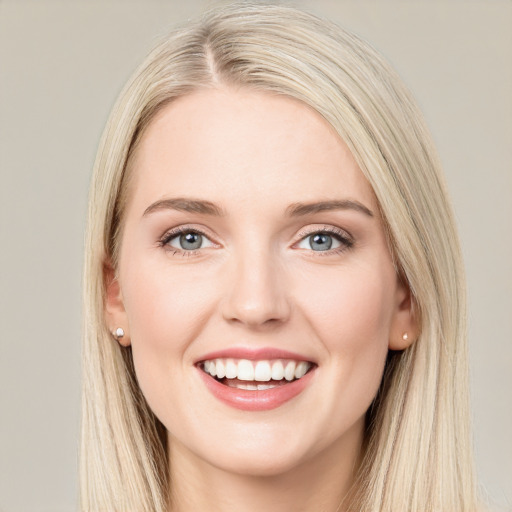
259	455
263	465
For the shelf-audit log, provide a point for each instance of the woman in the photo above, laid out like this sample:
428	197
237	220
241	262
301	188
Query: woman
274	293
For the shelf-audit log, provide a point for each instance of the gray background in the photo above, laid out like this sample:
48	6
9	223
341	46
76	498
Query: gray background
62	63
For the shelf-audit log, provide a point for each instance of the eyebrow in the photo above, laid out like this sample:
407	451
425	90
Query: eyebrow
300	209
185	205
294	210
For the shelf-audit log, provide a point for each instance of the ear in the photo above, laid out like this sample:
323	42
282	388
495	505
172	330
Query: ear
405	324
115	314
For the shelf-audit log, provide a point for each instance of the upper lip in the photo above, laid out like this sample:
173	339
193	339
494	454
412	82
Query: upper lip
253	354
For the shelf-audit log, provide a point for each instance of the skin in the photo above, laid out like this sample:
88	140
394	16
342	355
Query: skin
255	282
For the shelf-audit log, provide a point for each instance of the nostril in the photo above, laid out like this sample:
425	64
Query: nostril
267	313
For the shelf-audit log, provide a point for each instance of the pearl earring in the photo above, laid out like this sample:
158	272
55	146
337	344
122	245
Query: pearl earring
405	336
118	333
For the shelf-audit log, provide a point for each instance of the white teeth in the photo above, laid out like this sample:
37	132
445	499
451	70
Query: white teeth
245	370
261	387
250	387
231	369
259	371
220	368
300	371
277	371
289	371
262	371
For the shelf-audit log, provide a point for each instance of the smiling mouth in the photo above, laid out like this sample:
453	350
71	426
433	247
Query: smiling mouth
255	375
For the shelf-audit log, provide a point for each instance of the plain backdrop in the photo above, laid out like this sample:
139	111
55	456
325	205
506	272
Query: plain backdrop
62	64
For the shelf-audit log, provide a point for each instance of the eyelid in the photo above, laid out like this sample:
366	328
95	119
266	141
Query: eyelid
345	239
334	230
164	240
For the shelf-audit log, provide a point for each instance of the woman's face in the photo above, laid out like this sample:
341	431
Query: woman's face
252	245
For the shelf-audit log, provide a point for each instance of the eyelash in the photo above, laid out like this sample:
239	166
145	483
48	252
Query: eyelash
169	235
346	240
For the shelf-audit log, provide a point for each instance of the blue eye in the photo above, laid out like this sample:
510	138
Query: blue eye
322	241
188	240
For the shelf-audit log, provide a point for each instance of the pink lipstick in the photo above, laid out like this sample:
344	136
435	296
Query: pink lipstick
255	379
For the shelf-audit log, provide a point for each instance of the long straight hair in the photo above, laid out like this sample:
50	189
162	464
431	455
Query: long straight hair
417	451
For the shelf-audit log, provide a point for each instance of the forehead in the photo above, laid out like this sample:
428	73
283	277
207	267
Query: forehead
243	146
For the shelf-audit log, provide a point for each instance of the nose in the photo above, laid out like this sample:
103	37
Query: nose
256	296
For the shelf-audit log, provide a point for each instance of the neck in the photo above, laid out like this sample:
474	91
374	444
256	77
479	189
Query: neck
319	484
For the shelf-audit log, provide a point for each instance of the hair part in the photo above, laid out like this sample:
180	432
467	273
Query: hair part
418	451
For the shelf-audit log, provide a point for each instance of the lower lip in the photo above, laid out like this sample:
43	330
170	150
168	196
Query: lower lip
257	400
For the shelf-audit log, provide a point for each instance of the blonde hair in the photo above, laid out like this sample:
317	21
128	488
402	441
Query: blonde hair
417	455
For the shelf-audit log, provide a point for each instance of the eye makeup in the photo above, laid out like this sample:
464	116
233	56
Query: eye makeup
317	237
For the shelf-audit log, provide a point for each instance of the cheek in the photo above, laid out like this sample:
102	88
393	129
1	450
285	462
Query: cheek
351	314
351	308
167	309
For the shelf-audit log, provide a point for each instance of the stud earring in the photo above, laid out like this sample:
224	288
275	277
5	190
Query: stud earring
118	333
405	336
